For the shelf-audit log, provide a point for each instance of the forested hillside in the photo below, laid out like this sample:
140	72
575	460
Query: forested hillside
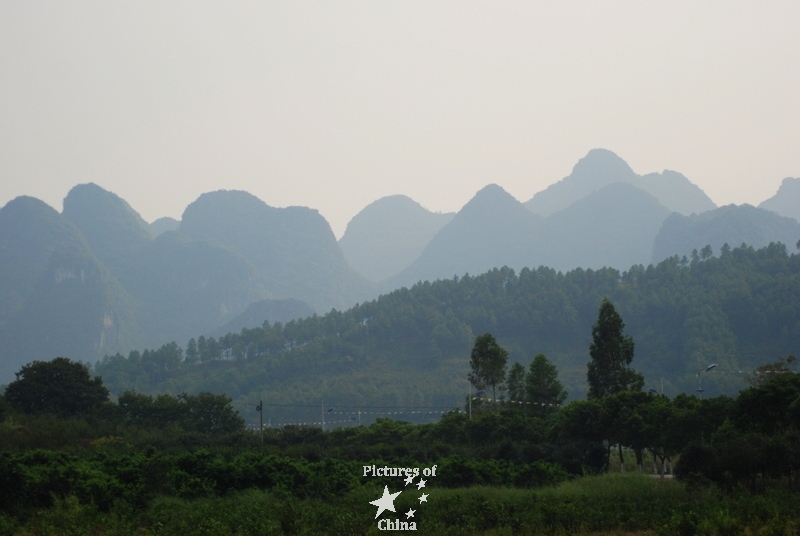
411	347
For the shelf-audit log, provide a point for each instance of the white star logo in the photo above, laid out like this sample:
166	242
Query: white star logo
420	484
409	479
386	502
422	499
410	513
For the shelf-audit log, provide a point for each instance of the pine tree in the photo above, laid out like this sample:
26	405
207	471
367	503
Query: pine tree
611	354
544	391
516	383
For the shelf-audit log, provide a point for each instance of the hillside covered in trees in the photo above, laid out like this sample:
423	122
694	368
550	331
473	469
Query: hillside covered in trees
737	309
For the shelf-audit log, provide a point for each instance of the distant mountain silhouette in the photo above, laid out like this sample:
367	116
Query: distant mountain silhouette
57	298
114	231
31	231
732	225
601	167
188	287
614	226
94	281
181	286
293	249
162	225
266	310
492	230
388	235
98	279
786	200
676	192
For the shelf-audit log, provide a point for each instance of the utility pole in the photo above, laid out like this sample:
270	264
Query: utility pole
260	410
469	396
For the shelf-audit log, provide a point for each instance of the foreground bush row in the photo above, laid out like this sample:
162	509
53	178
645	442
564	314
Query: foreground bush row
109	478
607	504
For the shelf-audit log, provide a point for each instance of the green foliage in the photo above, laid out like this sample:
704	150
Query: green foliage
516	383
488	363
596	505
60	386
409	346
149	468
205	413
771	407
611	354
765	373
543	390
758	438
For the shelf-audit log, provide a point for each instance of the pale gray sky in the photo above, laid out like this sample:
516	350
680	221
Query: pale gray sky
334	104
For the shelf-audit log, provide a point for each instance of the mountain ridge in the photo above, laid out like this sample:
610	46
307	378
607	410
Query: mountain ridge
601	167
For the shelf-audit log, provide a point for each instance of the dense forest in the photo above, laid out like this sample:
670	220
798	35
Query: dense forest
409	349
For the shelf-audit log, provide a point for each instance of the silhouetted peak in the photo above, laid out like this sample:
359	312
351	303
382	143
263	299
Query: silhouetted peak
25	204
163	225
491	201
789	185
224	200
89	204
602	165
111	226
491	195
786	200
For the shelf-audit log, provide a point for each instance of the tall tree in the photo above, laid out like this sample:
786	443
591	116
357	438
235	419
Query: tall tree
488	362
544	391
192	355
611	354
60	386
516	383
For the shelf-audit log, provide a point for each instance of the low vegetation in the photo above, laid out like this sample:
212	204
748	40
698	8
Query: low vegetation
187	465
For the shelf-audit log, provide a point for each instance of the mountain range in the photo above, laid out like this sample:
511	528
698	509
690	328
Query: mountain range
601	215
97	279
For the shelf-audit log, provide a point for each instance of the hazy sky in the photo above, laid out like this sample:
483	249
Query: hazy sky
334	104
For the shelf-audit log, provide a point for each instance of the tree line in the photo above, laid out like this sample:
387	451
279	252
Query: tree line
532	425
739	310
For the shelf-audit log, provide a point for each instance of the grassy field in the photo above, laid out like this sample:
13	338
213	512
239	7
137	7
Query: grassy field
609	504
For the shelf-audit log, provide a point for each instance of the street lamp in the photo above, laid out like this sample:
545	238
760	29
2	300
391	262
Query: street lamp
699	378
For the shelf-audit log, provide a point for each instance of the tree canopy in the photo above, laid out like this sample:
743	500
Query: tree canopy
542	387
488	363
611	352
60	386
738	309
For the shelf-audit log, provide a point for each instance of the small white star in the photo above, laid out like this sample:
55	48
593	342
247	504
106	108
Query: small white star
409	479
420	484
422	499
410	513
386	502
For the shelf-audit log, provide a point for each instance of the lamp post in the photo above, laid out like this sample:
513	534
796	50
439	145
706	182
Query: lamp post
699	378
260	410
